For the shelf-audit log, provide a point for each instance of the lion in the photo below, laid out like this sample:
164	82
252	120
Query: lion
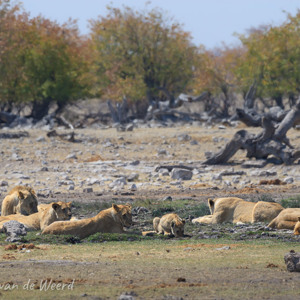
297	227
237	210
111	220
287	219
56	211
169	224
43	206
20	200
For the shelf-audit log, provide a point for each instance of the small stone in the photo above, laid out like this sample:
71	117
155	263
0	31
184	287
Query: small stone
161	152
223	248
3	183
41	139
133	177
87	190
71	156
288	180
129	127
135	163
182	174
168	198
133	188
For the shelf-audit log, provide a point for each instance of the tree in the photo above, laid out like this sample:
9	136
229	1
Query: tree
215	73
141	55
41	62
273	60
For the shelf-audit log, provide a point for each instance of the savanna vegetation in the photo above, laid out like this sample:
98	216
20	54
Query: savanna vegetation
143	56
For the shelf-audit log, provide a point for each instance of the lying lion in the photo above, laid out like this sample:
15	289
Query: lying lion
233	209
20	200
111	220
287	219
169	224
297	227
56	211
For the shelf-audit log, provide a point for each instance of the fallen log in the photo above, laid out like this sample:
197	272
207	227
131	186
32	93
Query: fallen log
271	141
69	137
13	135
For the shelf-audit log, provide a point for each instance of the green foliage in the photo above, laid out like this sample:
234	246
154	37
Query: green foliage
262	197
272	59
291	202
141	53
41	61
116	237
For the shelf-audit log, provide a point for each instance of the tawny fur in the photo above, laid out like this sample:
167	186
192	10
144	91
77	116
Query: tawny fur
56	211
169	224
287	219
20	200
233	209
111	220
297	227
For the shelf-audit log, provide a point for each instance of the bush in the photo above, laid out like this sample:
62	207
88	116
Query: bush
291	202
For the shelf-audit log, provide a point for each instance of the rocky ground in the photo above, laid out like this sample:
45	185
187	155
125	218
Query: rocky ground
104	165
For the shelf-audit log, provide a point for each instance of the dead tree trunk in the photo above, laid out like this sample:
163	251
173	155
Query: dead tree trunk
271	141
119	113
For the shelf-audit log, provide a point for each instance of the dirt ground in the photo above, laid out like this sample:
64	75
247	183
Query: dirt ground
87	172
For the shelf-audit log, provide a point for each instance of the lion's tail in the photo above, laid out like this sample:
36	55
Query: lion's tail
155	223
211	205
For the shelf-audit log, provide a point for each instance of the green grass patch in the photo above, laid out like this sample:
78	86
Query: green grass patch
293	202
91	207
184	208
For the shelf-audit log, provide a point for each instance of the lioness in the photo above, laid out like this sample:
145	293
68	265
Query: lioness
297	227
56	211
111	220
233	209
20	200
169	224
287	219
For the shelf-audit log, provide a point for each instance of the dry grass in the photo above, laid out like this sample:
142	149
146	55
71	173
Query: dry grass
152	269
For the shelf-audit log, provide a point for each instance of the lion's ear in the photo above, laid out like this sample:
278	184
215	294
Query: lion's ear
21	195
298	219
116	207
129	205
55	206
69	203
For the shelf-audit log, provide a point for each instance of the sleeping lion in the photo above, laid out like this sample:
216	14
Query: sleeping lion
233	209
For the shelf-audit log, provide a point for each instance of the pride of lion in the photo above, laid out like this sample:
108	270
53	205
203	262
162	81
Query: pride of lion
21	204
54	211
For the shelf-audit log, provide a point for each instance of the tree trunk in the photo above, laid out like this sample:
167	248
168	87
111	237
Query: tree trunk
40	109
270	141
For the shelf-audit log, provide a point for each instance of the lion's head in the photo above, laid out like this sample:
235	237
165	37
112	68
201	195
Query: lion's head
124	214
297	227
62	210
177	227
27	200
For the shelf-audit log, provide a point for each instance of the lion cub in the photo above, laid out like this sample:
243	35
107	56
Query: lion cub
169	224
